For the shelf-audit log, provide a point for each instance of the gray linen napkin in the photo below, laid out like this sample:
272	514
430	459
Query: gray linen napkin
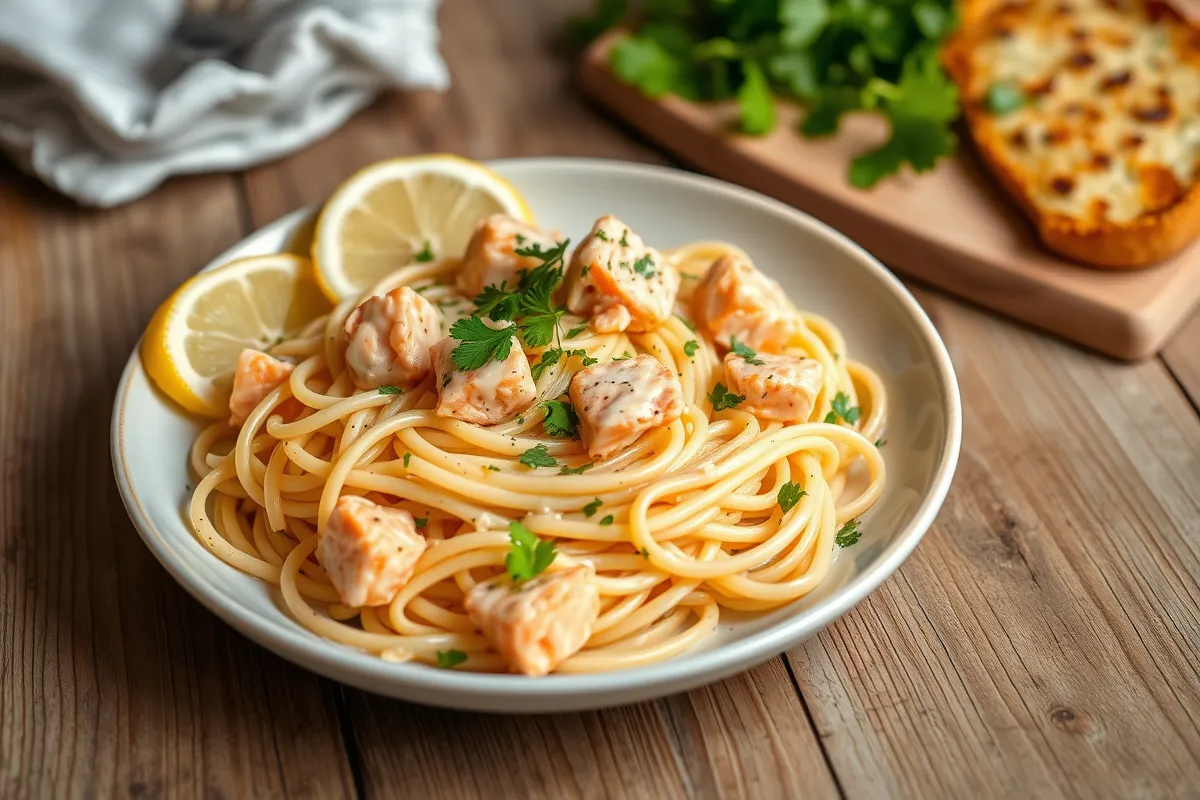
105	99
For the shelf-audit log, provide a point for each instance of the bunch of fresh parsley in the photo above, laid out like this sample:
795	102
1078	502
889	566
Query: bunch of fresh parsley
834	56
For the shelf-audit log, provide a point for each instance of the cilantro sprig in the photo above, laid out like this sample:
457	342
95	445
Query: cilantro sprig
834	56
528	556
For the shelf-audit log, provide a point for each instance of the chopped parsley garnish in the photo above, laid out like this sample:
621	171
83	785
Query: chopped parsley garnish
1003	98
745	352
425	255
536	457
390	390
421	522
841	403
520	238
690	347
552	355
497	303
880	443
848	535
592	507
528	556
624	356
721	398
561	420
407	457
644	266
687	322
624	242
449	659
602	236
789	495
493	468
607	520
479	343
645	553
582	468
578	329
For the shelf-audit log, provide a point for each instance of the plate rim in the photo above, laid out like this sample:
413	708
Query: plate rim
481	691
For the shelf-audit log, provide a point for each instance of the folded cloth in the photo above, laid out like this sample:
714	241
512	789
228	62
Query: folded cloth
105	99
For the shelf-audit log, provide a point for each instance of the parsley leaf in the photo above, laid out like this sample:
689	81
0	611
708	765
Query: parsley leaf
1003	98
536	457
592	507
745	352
425	255
407	457
493	468
497	303
390	390
721	398
643	62
880	443
690	347
601	235
449	659
421	522
578	329
582	468
789	495
560	420
644	266
624	242
528	556
645	553
607	520
549	358
756	107
624	356
841	408
848	535
479	343
803	21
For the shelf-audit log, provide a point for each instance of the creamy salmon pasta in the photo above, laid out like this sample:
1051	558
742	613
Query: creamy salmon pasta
534	458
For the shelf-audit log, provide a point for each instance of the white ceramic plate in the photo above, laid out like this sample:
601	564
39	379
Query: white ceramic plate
821	270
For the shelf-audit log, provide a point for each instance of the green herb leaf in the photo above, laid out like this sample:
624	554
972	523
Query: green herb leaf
686	322
756	106
425	255
880	443
646	64
578	329
848	535
549	358
745	352
479	343
582	468
561	420
644	266
803	21
690	347
1003	98
797	70
592	507
825	113
789	495
421	522
407	457
645	553
841	407
536	457
624	356
721	398
493	467
449	659
584	28
528	556
497	303
390	390
607	520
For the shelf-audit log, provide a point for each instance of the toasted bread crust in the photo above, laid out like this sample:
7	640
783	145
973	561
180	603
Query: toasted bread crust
1149	237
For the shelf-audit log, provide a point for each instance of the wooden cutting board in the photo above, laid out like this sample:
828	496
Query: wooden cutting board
952	227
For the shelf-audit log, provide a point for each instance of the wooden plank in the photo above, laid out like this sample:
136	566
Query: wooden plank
1182	357
953	227
745	737
112	680
1044	638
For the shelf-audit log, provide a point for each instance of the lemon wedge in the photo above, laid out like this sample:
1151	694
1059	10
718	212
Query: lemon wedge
191	347
404	210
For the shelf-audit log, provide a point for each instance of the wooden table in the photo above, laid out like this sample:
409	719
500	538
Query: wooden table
1044	639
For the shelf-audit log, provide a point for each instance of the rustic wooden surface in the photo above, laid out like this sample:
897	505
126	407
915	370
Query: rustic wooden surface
1042	641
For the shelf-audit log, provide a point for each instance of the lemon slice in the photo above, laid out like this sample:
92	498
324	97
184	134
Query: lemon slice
192	344
397	212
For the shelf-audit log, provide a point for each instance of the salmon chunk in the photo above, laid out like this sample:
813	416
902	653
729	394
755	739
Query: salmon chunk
735	299
781	388
491	258
618	281
256	376
369	550
388	339
618	401
538	624
484	396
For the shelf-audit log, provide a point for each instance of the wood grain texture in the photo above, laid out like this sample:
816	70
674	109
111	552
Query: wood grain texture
952	227
112	680
1182	357
1044	639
